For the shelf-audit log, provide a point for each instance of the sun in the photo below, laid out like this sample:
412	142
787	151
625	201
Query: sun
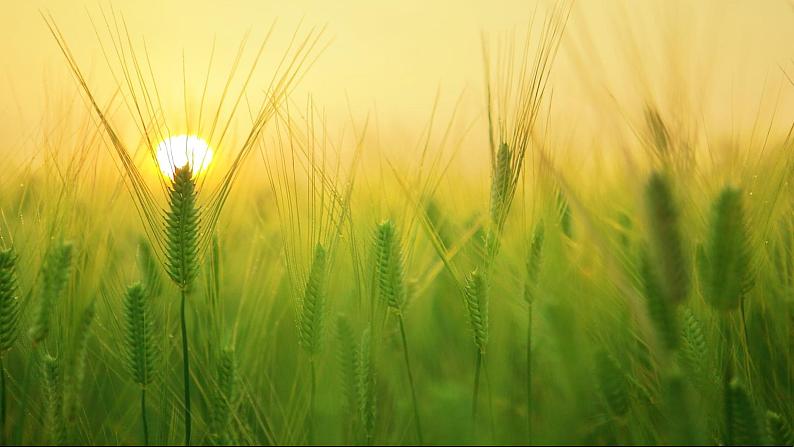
183	150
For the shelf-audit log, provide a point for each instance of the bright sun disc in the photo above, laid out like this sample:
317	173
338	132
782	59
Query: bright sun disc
183	150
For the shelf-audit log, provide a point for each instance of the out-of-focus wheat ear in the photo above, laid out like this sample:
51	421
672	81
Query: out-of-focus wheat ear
389	266
365	386
681	426
52	387
139	345
9	301
182	229
149	268
55	275
660	310
613	383
729	270
667	245
225	399
658	130
310	324
778	430
346	361
533	262
741	424
476	294
501	174
76	381
564	215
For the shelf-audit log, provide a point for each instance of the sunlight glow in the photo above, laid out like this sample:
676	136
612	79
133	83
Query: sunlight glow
181	150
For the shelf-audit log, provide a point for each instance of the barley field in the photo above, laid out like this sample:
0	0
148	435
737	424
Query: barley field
418	223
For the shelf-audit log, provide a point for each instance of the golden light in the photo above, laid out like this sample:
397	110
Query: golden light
183	150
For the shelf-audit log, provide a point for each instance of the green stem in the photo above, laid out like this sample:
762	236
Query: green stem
411	381
529	376
143	417
185	367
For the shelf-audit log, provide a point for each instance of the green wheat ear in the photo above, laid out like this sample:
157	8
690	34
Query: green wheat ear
533	262
55	274
54	423
740	420
9	302
613	383
149	269
346	360
660	310
694	351
477	305
389	266
225	398
779	431
500	184
365	385
312	308
727	259
139	347
182	229
76	380
667	246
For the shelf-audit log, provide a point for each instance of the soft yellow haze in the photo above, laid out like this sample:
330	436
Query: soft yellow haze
715	59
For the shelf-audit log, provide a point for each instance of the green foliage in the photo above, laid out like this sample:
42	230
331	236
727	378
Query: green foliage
182	229
9	301
140	349
346	352
310	323
54	276
726	265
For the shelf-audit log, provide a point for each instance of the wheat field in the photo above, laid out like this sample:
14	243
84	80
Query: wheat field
574	225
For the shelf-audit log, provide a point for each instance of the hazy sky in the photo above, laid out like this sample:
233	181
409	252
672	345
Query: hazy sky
395	55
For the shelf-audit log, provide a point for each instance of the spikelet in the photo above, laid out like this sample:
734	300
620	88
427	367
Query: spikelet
741	423
728	275
778	430
613	383
660	310
389	266
346	360
533	263
139	347
224	399
52	387
477	305
182	229
55	274
365	385
500	184
9	301
667	246
310	323
564	213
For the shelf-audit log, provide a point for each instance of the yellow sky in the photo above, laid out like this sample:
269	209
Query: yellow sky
394	56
